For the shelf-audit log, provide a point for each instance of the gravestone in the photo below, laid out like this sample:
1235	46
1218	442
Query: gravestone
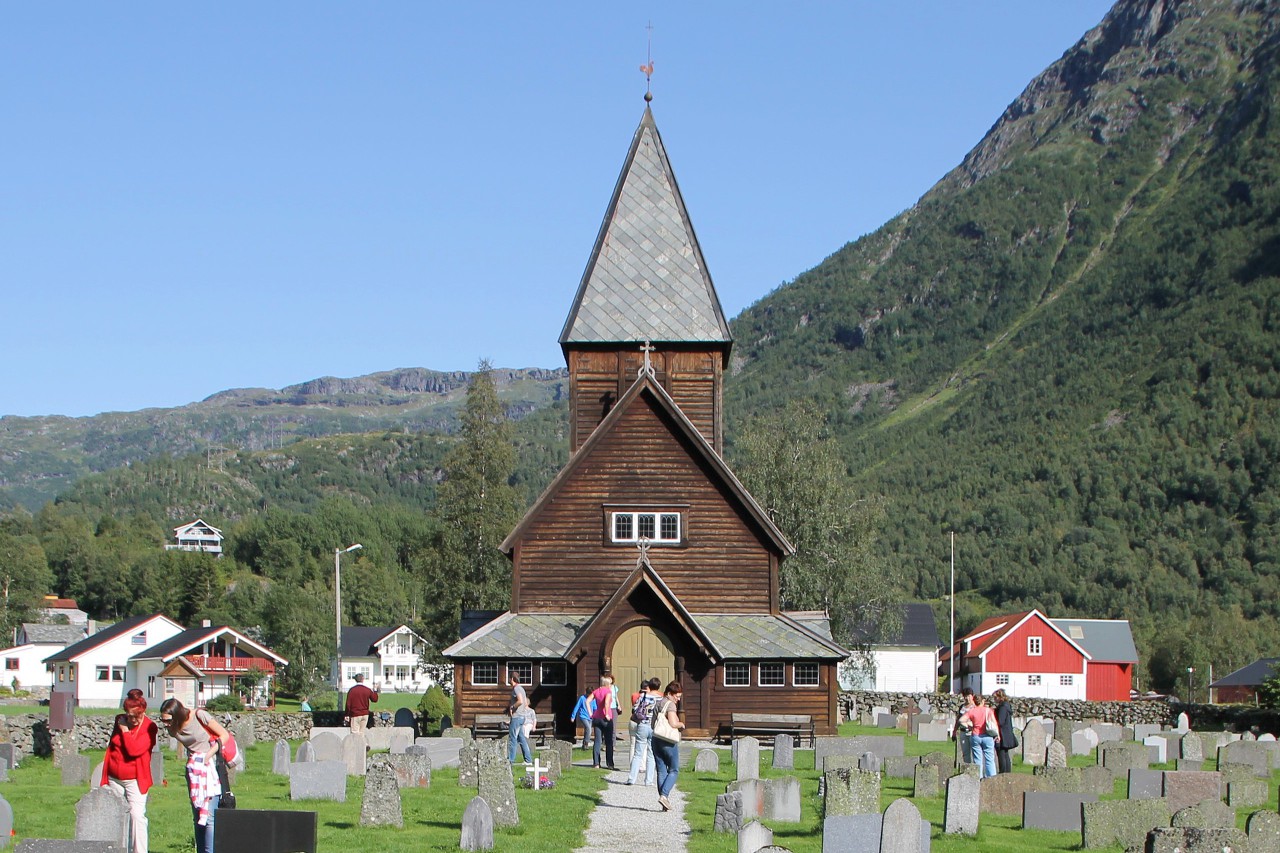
1002	794
62	745
477	826
1187	764
784	749
869	762
1108	731
355	755
157	766
1246	794
63	845
318	780
1060	728
859	833
96	777
1157	749
306	753
707	761
840	762
882	745
886	721
1142	731
1184	723
1146	784
940	760
961	811
498	788
1184	788
1165	839
327	746
280	759
1209	814
411	771
444	751
244	732
102	815
1264	830
264	831
9	755
457	732
6	822
399	742
782	799
446	722
1054	810
933	732
900	831
1084	741
381	803
1191	746
1035	743
753	837
903	766
550	759
469	765
1122	756
405	718
748	758
728	812
1055	754
752	792
928	782
75	769
850	792
1121	822
1251	753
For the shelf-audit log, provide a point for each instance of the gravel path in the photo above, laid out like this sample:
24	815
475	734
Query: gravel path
629	817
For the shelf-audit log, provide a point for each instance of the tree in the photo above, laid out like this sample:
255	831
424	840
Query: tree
477	508
790	463
1269	690
25	579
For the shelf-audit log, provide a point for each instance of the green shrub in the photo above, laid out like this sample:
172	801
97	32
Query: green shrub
326	701
5	691
225	702
435	703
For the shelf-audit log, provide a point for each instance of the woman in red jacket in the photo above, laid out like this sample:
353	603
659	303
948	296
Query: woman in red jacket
127	769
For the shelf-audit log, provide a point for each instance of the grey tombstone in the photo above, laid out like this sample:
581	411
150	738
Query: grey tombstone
1002	794
444	751
1191	747
75	769
1055	754
62	745
851	792
1157	749
1266	737
355	755
902	766
784	752
469	765
327	746
882	745
306	753
728	812
752	793
550	758
886	721
900	831
1035	743
859	833
1247	794
1184	788
102	815
63	845
405	719
1107	731
1184	723
1249	736
1084	741
933	732
318	780
498	788
477	826
1121	822
456	732
927	781
880	710
1146	784
869	762
1165	839
399	742
1121	756
926	707
1206	815
961	811
157	766
707	761
244	732
1247	752
9	755
565	748
753	837
1054	810
1142	731
782	799
411	771
6	822
1264	830
748	758
281	758
381	803
96	775
1187	764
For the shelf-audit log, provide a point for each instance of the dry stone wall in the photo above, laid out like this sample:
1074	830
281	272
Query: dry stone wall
30	732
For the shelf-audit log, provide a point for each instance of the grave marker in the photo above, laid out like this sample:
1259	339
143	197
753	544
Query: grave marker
962	806
748	758
318	780
707	761
477	826
381	803
280	760
75	769
306	753
1054	810
102	815
498	788
753	837
784	752
264	831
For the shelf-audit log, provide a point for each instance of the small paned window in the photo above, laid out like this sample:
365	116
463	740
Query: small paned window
670	527
1066	680
555	673
662	528
1035	646
1002	679
1033	681
10	664
484	672
645	524
805	675
624	527
773	675
521	669
102	673
737	674
117	673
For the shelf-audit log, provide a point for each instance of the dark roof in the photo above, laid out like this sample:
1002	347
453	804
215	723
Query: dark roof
1104	639
646	278
1251	675
919	628
65	635
192	637
474	620
359	642
521	635
124	626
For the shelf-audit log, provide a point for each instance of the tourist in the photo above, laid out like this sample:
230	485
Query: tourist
305	705
666	742
518	711
962	726
202	736
359	698
642	738
1004	723
984	734
582	714
127	767
602	722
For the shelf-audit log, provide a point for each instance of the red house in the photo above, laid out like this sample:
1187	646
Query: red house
1025	654
1112	656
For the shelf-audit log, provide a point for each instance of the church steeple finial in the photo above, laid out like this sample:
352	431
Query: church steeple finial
647	68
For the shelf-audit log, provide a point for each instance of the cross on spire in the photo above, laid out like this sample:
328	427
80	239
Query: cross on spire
642	545
647	367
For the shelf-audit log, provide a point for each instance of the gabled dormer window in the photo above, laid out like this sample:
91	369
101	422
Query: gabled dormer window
138	639
658	527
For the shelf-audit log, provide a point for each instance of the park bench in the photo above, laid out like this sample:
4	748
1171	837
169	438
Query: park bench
768	726
495	725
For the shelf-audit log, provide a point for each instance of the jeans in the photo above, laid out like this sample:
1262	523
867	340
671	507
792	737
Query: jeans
516	739
137	801
641	745
204	834
667	757
983	752
602	729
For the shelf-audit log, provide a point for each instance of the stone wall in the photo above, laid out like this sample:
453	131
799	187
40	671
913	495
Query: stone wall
30	732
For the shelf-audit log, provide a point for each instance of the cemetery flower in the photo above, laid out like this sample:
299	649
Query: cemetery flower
543	781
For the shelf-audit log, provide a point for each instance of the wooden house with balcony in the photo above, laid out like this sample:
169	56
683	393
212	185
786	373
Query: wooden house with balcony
197	536
646	556
202	663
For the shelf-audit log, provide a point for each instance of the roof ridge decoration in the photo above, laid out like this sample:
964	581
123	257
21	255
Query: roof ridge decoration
646	278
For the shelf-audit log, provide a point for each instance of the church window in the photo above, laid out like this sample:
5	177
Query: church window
773	674
805	675
484	672
554	673
737	674
521	669
660	528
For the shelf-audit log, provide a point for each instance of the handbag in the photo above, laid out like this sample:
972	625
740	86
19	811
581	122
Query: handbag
662	728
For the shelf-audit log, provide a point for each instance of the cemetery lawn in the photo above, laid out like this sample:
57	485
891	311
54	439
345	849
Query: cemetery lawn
553	820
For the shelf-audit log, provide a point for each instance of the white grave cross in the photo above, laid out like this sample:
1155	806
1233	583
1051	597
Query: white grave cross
538	770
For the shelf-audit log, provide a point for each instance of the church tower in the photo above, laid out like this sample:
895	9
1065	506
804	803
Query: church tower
646	281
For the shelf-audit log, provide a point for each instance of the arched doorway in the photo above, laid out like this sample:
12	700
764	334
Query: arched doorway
641	652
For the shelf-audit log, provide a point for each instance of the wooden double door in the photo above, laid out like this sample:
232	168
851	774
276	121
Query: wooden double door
641	653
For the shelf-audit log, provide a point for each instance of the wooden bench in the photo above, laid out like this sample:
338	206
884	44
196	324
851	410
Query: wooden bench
768	726
495	725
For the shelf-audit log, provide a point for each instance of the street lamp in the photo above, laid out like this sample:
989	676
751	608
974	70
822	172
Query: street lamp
1191	693
337	605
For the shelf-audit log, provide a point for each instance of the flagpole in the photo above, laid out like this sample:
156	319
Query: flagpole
951	658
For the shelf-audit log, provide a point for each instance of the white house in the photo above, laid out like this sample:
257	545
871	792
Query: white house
907	662
390	656
197	536
97	669
33	642
201	663
63	609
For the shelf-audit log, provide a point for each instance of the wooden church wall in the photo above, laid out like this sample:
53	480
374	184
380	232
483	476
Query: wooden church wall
818	702
565	565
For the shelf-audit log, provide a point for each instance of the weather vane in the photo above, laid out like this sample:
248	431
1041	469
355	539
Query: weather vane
647	68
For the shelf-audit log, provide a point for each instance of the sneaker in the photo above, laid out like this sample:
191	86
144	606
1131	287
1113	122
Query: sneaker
665	803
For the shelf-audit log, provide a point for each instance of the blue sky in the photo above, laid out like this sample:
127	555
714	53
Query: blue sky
195	197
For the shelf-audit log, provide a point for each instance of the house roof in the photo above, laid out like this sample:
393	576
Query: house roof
533	635
62	635
106	635
646	384
198	523
991	632
359	642
646	278
52	602
1251	675
181	644
747	636
1104	639
919	628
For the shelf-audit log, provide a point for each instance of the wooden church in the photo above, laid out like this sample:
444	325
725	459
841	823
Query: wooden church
646	556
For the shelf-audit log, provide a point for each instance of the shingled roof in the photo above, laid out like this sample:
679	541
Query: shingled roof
646	279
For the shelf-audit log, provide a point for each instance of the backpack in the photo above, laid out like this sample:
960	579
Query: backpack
640	711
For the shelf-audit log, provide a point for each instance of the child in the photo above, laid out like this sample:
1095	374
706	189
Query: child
582	713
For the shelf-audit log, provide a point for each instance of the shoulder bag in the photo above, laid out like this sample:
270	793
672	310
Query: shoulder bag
662	728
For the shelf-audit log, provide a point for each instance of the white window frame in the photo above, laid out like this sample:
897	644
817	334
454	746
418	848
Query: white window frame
486	664
553	673
525	669
659	515
1035	646
117	673
1066	680
102	673
760	669
795	674
138	639
1002	679
738	666
1033	680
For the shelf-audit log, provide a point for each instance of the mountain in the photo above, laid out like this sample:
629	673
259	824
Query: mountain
43	456
1068	351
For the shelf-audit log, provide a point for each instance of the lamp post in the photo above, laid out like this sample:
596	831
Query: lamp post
1191	693
337	606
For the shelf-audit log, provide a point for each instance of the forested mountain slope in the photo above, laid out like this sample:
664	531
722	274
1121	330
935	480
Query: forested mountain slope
1068	350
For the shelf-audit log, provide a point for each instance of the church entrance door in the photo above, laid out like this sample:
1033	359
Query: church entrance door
641	652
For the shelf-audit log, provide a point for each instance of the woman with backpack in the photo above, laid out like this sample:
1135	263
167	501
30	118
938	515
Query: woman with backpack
642	739
984	735
203	737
